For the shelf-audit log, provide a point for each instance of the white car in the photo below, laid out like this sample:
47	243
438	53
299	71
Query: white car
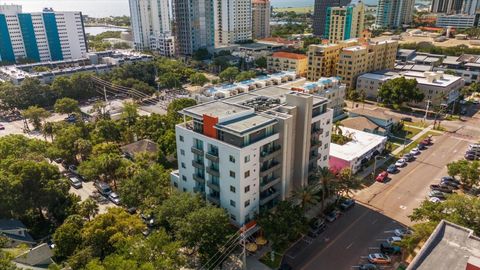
415	151
435	200
402	232
394	239
400	163
114	198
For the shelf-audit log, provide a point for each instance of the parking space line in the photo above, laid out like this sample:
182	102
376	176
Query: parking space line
349	246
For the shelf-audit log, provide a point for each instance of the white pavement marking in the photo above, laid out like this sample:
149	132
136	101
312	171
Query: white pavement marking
375	221
349	246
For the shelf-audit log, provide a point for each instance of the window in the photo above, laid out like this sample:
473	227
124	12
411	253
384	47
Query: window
184	178
183	165
247	203
247	189
181	138
326	146
232	203
232	189
232	216
247	173
175	184
232	159
324	158
247	158
182	152
232	174
184	190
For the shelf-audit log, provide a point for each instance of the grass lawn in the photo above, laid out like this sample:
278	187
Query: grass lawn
299	10
420	124
416	142
406	132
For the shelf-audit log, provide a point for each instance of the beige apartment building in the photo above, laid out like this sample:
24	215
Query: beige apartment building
348	62
345	22
260	19
284	61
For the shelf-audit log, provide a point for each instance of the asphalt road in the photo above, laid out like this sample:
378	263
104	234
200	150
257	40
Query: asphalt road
382	208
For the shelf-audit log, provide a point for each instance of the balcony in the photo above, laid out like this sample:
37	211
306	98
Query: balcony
264	170
315	143
264	185
270	152
198	164
199	189
214	186
317	131
213	199
212	156
268	198
197	150
199	178
213	171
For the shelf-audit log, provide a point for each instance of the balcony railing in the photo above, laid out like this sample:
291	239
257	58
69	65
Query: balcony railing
213	199
270	152
264	170
266	184
317	130
270	197
199	178
212	156
213	171
214	186
197	164
315	143
197	150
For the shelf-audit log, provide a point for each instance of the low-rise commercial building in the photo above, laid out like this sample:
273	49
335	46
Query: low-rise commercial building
285	43
98	62
356	153
248	152
284	61
439	88
466	66
386	123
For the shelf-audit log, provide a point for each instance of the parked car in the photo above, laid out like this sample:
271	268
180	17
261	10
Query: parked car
379	258
476	102
332	215
285	266
382	177
347	204
469	156
392	169
58	160
422	146
408	157
407	119
2	127
75	181
435	200
394	239
401	163
441	188
103	188
114	198
313	233
71	118
148	219
450	179
402	232
389	249
72	169
368	266
436	193
319	224
463	111
132	210
415	151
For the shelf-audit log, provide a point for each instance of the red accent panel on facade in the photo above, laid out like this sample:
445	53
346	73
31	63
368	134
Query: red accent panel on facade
209	123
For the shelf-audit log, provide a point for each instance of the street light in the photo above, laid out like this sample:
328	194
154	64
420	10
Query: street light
375	164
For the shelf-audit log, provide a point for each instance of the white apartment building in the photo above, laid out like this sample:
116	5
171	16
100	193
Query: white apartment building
455	20
40	36
438	87
233	21
151	26
247	152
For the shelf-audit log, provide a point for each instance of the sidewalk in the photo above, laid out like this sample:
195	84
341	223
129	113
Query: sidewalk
413	139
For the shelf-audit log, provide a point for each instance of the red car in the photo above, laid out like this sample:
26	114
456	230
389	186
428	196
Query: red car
382	177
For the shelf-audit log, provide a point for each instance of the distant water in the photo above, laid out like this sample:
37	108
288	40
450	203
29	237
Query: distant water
98	30
105	8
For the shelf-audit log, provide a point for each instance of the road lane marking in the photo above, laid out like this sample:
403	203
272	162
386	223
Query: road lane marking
375	221
349	246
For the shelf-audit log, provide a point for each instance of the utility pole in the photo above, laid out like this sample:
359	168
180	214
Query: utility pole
105	94
244	255
426	111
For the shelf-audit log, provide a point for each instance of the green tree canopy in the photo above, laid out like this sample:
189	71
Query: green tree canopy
36	115
66	105
198	79
400	90
229	74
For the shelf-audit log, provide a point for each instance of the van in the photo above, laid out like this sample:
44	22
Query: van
103	188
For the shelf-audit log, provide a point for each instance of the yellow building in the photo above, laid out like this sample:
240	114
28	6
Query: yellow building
349	59
323	59
344	22
284	61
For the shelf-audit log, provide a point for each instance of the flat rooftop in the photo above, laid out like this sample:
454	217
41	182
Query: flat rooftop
361	144
218	109
421	78
450	247
246	124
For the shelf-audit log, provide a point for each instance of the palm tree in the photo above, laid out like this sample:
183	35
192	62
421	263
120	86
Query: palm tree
306	196
324	175
88	209
48	129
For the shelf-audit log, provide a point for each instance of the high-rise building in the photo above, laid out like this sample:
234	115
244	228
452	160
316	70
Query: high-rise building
151	25
248	152
319	14
40	36
233	21
194	26
349	59
394	13
346	22
260	19
447	6
471	7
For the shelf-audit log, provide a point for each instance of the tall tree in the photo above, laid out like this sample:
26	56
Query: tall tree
400	90
88	209
66	105
229	74
36	115
306	196
67	237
